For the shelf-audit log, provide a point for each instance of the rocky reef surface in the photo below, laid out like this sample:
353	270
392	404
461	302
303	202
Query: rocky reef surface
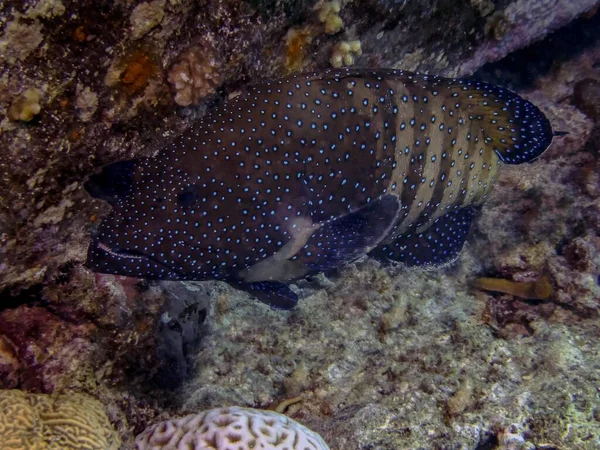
380	358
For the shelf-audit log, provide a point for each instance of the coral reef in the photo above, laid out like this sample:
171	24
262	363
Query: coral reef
180	330
405	363
508	26
132	72
383	358
298	39
9	365
587	97
79	51
104	334
64	422
228	429
30	333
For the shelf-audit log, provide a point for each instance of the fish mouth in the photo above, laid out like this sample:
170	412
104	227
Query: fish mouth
128	262
121	253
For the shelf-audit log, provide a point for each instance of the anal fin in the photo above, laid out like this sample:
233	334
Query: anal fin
439	244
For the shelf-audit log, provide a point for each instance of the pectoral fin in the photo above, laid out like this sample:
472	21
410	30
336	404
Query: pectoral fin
344	239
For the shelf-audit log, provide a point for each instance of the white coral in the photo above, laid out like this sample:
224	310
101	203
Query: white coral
231	428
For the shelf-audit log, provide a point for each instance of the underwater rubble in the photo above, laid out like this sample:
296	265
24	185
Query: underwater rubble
471	356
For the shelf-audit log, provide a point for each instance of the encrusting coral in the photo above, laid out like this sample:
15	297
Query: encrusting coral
146	16
26	106
54	422
233	428
299	39
131	72
194	76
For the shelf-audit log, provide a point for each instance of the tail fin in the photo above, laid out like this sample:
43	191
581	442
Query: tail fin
514	128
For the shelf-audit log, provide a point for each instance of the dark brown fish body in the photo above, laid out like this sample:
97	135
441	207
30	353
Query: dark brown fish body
298	176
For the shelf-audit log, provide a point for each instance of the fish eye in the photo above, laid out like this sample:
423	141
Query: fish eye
188	196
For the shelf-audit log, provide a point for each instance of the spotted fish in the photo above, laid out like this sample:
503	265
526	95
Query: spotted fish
297	176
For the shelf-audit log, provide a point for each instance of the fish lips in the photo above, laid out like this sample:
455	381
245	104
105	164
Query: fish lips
127	262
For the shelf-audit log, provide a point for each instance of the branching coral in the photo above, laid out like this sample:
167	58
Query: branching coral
47	422
195	75
231	428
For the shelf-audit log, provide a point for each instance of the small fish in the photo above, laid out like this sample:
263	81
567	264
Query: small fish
301	175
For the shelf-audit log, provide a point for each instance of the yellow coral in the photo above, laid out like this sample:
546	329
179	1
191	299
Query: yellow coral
54	422
26	106
344	52
329	16
298	40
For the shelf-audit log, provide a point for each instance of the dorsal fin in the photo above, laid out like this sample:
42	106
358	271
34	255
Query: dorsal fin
513	127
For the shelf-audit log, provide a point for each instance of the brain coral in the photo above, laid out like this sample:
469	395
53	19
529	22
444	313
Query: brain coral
232	428
50	422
